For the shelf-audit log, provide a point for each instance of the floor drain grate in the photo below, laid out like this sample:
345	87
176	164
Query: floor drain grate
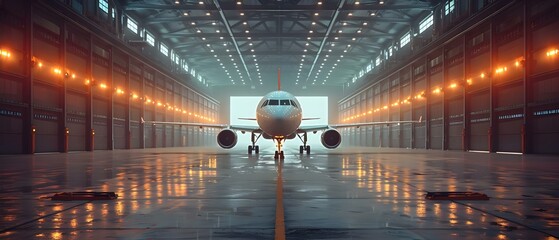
456	196
88	196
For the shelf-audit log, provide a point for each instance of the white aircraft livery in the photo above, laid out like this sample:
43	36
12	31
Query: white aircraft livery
279	116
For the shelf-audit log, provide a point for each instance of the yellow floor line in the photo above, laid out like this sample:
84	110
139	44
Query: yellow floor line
280	221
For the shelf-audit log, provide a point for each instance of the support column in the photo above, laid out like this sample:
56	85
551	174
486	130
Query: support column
63	132
491	132
28	130
128	140
90	134
526	131
110	112
465	99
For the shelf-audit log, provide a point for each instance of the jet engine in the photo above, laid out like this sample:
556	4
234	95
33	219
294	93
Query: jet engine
331	138
227	138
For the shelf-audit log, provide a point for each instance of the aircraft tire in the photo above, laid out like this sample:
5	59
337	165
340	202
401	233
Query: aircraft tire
249	149
256	149
308	149
301	149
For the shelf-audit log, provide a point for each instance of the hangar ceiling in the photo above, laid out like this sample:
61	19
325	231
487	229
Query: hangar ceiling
243	42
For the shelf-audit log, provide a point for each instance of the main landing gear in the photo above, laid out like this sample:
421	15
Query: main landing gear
254	147
279	153
304	147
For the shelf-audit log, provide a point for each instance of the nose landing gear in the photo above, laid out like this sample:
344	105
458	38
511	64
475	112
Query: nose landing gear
279	153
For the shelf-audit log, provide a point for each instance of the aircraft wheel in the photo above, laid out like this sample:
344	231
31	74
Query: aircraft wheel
276	154
249	149
308	149
301	149
256	149
281	155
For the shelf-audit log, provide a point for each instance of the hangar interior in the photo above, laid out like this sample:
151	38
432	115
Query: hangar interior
80	77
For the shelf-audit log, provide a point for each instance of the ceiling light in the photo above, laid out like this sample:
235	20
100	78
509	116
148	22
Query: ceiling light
192	23
239	3
242	14
309	38
310	31
350	14
204	38
319	3
244	23
246	31
217	31
313	23
335	38
200	2
214	23
381	2
177	2
250	44
353	39
359	31
357	3
365	24
373	14
185	14
316	14
208	14
221	38
307	44
198	31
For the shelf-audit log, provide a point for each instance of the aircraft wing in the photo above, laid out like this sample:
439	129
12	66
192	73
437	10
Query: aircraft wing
243	128
189	124
206	125
349	125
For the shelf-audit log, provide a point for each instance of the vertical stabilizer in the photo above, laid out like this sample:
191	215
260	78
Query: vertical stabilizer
279	80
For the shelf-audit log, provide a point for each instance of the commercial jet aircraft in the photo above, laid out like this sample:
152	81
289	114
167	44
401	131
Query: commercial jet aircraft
279	117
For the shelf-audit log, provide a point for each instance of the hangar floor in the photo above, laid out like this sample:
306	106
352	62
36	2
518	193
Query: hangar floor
350	193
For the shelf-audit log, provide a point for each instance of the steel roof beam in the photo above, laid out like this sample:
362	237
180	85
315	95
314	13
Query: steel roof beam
232	6
330	26
263	35
230	32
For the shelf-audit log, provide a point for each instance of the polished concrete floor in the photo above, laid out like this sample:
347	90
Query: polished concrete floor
349	193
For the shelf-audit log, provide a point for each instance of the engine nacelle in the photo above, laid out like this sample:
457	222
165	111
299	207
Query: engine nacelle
227	138
331	138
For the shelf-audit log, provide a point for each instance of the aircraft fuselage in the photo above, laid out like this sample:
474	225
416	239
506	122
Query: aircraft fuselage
278	114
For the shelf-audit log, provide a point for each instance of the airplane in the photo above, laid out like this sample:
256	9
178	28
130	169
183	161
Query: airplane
279	117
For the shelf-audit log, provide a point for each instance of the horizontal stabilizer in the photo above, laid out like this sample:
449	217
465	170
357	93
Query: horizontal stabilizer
252	119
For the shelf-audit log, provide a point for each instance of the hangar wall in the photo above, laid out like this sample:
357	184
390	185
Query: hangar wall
68	83
486	80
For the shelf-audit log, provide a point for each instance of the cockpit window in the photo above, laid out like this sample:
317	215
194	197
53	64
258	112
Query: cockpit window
293	103
284	102
265	103
273	102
